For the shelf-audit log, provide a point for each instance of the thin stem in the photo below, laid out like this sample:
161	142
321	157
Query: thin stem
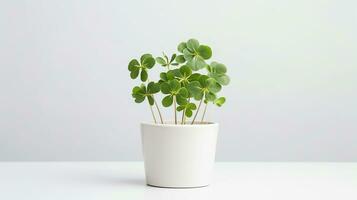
152	112
175	109
183	116
199	106
158	110
204	112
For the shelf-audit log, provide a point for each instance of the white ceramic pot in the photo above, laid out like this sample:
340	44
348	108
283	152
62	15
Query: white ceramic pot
179	156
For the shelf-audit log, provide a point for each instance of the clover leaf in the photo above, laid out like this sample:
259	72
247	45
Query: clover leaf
194	53
146	62
140	93
165	61
187	109
204	87
173	89
220	101
182	84
218	71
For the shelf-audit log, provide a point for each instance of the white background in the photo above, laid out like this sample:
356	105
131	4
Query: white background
65	89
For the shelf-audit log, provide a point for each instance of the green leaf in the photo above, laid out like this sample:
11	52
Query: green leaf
173	58
167	101
136	90
195	90
222	79
185	70
191	106
176	72
148	62
144	75
174	64
181	100
203	81
165	88
142	58
179	108
153	88
218	68
213	86
151	100
139	99
161	61
187	55
133	65
204	51
210	96
194	77
220	101
174	85
167	76
181	46
188	113
134	74
183	92
197	63
166	58
180	59
192	45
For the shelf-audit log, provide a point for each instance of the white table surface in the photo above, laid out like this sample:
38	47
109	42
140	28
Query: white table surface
125	180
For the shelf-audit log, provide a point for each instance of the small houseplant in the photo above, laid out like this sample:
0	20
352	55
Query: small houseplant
179	153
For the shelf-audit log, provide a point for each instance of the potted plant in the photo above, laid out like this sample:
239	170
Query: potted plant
179	153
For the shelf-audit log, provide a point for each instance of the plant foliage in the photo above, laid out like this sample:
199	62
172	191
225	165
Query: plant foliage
181	84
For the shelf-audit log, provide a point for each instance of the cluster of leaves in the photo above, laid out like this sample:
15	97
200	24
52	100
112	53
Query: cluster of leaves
181	86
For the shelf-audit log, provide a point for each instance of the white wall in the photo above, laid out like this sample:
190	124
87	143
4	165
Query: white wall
65	88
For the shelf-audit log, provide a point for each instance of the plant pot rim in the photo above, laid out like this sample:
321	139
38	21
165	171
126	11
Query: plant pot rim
172	124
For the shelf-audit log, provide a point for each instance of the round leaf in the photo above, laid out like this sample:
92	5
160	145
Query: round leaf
179	108
161	61
213	86
165	88
181	100
174	85
218	68
143	75
194	77
134	74
143	57
167	101
181	46
222	79
183	92
187	55
188	113
191	106
185	70
210	96
192	45
148	62
204	51
139	99
180	59
133	64
153	88
220	101
197	63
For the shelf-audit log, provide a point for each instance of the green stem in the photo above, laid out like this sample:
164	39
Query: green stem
158	110
152	112
175	109
199	106
204	113
183	116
